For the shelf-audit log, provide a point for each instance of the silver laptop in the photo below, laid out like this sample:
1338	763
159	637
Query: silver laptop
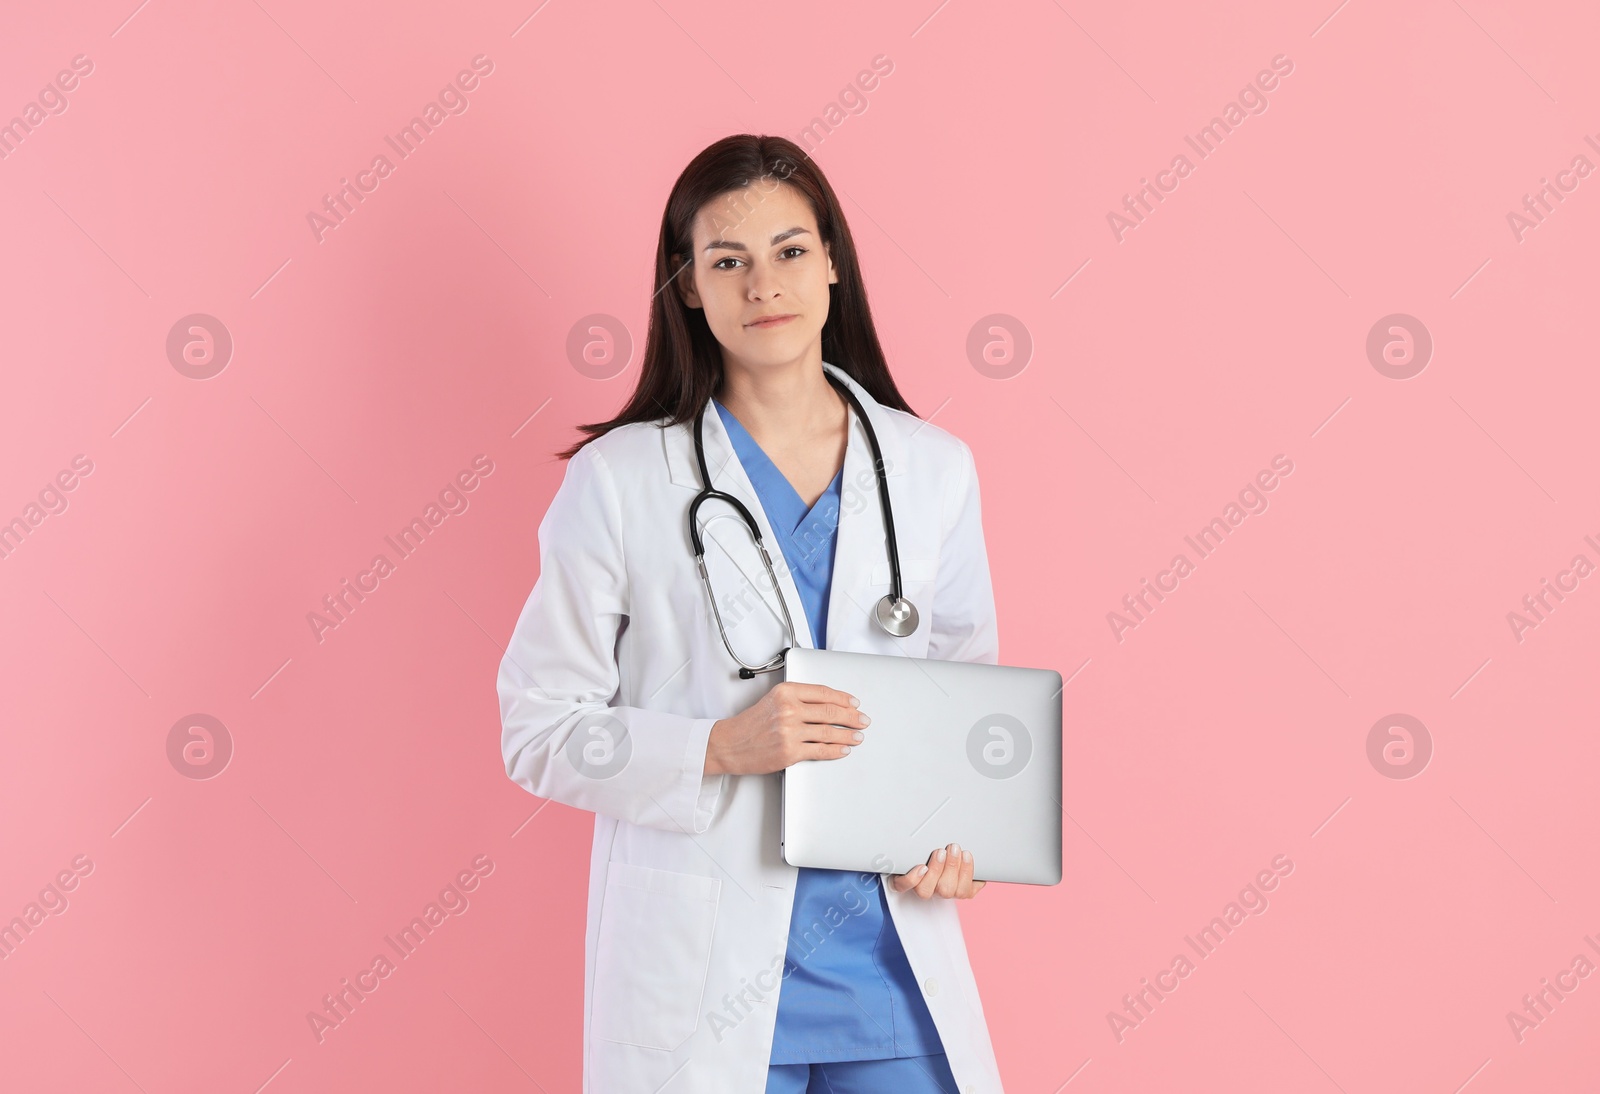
957	752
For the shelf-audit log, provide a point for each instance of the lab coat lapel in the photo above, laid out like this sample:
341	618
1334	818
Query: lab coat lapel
859	542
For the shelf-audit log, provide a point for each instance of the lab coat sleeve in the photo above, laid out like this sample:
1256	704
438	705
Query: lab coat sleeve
561	737
964	625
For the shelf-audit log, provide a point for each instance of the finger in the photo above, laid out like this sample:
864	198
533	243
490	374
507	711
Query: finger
822	750
977	887
817	693
952	871
835	735
964	881
833	714
828	733
936	869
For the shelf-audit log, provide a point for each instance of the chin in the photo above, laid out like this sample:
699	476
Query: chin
765	348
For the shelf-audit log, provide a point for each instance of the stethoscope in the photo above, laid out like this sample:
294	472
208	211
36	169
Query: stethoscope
894	613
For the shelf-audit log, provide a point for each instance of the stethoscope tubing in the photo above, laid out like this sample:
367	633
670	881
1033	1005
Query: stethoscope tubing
707	493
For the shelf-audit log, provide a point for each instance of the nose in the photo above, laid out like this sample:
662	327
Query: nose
763	282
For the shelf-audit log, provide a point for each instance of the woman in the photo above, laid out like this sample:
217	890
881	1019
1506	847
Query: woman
711	965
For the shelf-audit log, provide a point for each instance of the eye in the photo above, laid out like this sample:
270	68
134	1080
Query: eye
718	265
794	247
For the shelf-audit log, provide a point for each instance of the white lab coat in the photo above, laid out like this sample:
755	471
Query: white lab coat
608	691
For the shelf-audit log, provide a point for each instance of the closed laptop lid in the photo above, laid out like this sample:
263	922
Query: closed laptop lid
957	752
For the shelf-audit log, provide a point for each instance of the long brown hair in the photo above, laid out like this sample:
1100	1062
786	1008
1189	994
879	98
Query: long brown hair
682	365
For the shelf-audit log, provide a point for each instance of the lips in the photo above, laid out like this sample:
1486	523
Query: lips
770	321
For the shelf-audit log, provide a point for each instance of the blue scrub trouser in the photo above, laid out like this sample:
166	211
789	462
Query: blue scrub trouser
902	1074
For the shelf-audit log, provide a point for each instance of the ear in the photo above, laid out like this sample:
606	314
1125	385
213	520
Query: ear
833	275
683	282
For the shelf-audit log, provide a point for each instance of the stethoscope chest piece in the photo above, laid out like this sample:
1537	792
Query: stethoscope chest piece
896	615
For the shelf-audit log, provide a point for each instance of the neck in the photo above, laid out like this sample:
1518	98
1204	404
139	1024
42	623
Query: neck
779	403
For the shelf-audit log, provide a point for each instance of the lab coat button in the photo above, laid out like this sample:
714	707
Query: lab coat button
930	986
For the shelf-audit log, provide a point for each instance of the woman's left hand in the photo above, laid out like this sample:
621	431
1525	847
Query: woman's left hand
948	872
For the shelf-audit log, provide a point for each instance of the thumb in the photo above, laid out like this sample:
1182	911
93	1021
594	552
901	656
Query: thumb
902	882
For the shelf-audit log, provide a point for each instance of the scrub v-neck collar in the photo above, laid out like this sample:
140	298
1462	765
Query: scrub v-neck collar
772	485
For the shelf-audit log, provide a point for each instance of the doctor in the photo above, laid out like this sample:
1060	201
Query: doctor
711	965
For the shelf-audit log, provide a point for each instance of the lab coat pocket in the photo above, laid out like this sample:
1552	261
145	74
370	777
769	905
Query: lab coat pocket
917	577
653	954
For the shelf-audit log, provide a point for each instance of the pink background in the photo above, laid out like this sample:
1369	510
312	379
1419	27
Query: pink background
367	370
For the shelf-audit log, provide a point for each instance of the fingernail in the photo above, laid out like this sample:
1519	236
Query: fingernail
955	848
920	870
854	701
858	735
940	856
865	720
846	749
967	855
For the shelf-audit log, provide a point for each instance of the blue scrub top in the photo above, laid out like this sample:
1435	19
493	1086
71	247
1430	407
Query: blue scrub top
848	992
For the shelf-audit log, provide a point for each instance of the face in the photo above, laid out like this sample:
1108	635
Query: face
756	255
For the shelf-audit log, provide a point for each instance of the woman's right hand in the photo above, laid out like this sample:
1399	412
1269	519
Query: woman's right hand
790	723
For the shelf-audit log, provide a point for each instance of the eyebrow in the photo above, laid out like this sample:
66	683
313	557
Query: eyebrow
730	245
